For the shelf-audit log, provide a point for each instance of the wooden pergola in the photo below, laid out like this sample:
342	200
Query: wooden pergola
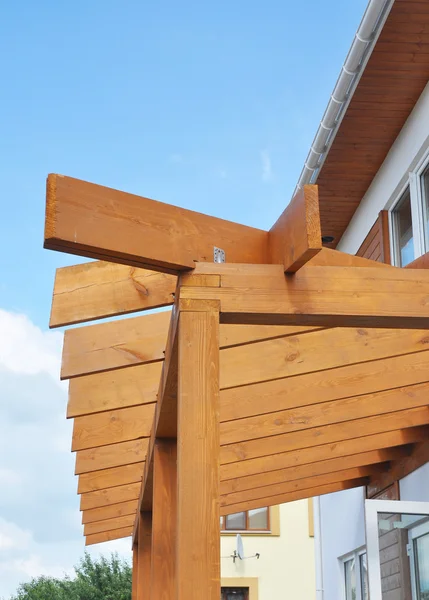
286	372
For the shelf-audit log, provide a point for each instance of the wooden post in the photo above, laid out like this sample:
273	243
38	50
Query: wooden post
144	556
198	539
135	583
163	564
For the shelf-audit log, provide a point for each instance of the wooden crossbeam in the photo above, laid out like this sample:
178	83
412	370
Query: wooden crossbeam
112	511
114	455
98	222
108	536
108	525
296	236
115	495
99	480
112	427
144	561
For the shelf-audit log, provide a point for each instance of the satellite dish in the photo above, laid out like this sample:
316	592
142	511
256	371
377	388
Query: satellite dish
240	549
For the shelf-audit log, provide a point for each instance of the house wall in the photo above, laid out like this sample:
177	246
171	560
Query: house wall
342	514
285	569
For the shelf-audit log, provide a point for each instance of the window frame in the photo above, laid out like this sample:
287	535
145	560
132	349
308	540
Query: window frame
356	556
247	528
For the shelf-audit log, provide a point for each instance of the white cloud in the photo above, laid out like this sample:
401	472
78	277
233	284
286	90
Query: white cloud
267	171
26	349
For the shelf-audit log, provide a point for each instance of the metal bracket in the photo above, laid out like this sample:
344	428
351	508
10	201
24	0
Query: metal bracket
218	255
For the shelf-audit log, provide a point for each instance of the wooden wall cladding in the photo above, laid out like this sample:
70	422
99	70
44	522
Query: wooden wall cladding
376	245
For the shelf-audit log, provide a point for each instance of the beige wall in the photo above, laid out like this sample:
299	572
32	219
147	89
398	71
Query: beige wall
285	569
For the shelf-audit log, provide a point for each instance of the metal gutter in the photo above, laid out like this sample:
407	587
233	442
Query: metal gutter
364	41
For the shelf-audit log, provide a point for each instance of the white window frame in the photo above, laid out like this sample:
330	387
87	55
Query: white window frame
414	533
414	183
356	554
372	508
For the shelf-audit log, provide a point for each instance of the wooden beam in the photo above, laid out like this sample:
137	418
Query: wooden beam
292	496
400	468
323	296
116	495
163	564
347	412
328	257
108	536
112	426
324	435
134	580
108	525
287	487
145	555
114	455
198	455
321	467
296	236
109	512
99	480
314	454
98	222
115	389
102	289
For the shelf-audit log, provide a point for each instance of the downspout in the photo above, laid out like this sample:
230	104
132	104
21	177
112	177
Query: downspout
364	41
318	548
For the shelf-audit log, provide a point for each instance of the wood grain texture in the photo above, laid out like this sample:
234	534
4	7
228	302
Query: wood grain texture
107	536
164	521
109	512
102	289
114	455
145	555
134	580
108	525
112	427
91	394
296	236
99	480
198	456
116	495
98	222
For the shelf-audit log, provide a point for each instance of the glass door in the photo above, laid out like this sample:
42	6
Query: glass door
397	549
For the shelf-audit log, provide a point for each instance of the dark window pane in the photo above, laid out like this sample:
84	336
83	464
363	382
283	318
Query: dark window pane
258	518
403	230
236	521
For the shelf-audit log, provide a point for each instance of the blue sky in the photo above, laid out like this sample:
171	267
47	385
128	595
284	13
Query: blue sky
207	105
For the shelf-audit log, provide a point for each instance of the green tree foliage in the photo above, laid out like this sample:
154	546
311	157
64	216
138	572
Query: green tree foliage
102	579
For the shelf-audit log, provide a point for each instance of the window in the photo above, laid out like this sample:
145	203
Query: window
355	576
234	593
403	230
250	520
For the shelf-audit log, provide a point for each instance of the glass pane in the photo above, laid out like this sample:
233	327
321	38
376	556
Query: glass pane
364	576
425	194
350	579
236	521
393	534
421	551
258	518
404	242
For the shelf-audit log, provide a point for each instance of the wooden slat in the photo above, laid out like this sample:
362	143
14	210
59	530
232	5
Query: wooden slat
164	521
101	289
108	525
145	555
325	435
198	455
328	414
112	427
326	296
109	512
115	389
116	495
108	536
99	480
312	469
292	496
333	450
296	236
114	455
98	222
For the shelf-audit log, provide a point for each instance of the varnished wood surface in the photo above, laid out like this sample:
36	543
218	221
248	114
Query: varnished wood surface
98	480
113	455
111	511
144	561
107	536
115	495
108	524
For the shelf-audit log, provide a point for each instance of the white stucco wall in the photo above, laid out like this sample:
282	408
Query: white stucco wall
285	569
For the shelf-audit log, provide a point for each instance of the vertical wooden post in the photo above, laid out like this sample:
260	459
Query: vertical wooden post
135	583
198	535
163	566
144	557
